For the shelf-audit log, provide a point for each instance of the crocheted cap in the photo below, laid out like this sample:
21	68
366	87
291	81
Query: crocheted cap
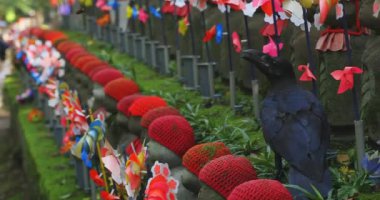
78	59
155	113
121	87
260	189
104	76
97	69
87	67
173	132
143	105
72	52
223	174
124	104
77	56
84	60
199	155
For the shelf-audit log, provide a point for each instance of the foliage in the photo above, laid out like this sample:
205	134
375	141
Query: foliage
264	164
348	183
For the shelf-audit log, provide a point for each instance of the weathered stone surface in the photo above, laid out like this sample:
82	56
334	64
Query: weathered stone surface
157	152
366	15
183	192
206	193
191	181
339	107
370	93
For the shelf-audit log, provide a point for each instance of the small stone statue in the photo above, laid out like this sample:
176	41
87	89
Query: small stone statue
137	110
170	137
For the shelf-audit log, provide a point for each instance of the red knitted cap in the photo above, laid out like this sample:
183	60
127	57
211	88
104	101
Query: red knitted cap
126	102
62	44
79	59
199	155
173	132
84	60
260	189
87	67
223	174
155	113
77	56
69	54
107	75
143	105
121	87
97	69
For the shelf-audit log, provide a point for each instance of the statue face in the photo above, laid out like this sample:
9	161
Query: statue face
98	92
134	125
110	104
121	120
144	135
157	152
183	192
191	182
206	193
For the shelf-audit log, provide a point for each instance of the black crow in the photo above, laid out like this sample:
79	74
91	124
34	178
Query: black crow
294	125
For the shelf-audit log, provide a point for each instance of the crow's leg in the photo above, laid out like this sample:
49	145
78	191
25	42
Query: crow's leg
278	165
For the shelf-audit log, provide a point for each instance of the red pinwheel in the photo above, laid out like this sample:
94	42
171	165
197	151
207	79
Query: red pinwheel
346	77
96	178
236	42
210	34
307	74
107	196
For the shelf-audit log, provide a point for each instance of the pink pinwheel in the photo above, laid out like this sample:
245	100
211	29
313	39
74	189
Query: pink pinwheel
103	5
236	42
143	16
266	6
376	8
271	48
307	74
346	77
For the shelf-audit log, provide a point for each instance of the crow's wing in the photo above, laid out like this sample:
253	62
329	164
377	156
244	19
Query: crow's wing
295	127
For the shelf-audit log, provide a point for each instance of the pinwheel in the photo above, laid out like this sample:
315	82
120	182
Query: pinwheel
376	8
108	196
161	185
134	172
96	178
346	77
143	16
219	33
236	42
210	34
183	26
307	75
155	12
271	48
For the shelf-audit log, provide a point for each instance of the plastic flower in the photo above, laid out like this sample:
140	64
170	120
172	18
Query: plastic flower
371	163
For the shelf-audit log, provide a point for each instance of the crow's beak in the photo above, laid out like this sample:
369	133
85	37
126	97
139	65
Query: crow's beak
251	55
